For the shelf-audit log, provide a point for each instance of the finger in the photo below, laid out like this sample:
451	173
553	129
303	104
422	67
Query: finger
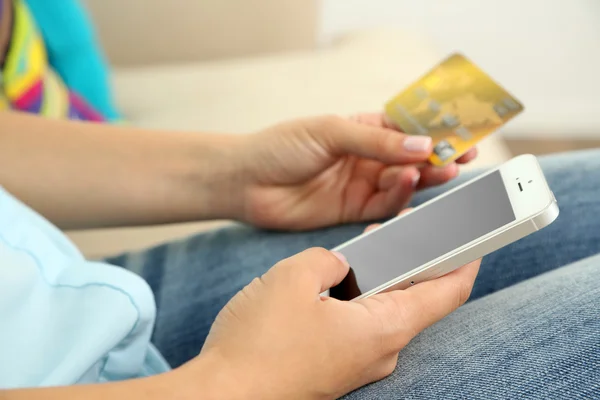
391	176
371	227
431	301
388	123
406	210
344	137
314	270
377	120
385	203
375	226
468	156
368	170
434	176
381	120
412	310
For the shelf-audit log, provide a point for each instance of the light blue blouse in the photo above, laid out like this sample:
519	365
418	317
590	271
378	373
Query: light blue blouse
65	320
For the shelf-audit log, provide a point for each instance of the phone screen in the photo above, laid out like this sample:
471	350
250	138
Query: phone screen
424	235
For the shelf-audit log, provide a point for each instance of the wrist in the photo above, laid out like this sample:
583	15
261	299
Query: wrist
213	378
218	378
211	178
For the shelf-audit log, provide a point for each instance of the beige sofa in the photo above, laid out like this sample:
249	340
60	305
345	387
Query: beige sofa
192	65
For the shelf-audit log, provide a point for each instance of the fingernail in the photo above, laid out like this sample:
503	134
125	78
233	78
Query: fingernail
417	143
340	257
416	178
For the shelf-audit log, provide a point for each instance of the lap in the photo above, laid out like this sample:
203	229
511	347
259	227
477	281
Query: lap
538	339
194	278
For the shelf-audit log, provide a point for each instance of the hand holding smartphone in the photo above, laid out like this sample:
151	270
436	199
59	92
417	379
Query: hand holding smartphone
449	231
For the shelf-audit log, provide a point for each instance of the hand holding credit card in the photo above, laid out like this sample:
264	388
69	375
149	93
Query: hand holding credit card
456	104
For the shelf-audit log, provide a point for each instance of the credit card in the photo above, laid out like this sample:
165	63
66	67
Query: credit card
457	104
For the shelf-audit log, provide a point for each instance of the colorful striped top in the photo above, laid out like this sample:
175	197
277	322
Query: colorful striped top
27	81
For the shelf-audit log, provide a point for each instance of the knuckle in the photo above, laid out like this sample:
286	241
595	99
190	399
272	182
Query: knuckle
289	275
282	265
386	142
326	130
384	367
282	271
250	289
322	254
389	365
394	327
302	265
463	292
256	282
330	122
318	251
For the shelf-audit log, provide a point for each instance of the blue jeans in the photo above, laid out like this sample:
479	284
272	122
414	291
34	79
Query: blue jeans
531	329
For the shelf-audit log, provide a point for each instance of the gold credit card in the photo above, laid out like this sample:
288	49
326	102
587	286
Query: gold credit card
456	104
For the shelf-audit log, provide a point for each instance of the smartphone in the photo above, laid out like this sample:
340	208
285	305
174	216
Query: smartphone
449	231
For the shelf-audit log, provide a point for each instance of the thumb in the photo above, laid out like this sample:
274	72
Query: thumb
343	136
311	272
420	306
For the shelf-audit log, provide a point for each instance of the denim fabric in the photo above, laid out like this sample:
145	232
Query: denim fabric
531	329
539	339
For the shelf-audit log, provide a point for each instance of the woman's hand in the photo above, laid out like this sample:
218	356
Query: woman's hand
323	171
279	339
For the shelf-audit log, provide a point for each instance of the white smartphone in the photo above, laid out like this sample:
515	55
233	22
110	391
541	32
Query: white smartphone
449	231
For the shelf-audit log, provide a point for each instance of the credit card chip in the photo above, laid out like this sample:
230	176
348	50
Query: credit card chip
464	133
449	120
444	150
